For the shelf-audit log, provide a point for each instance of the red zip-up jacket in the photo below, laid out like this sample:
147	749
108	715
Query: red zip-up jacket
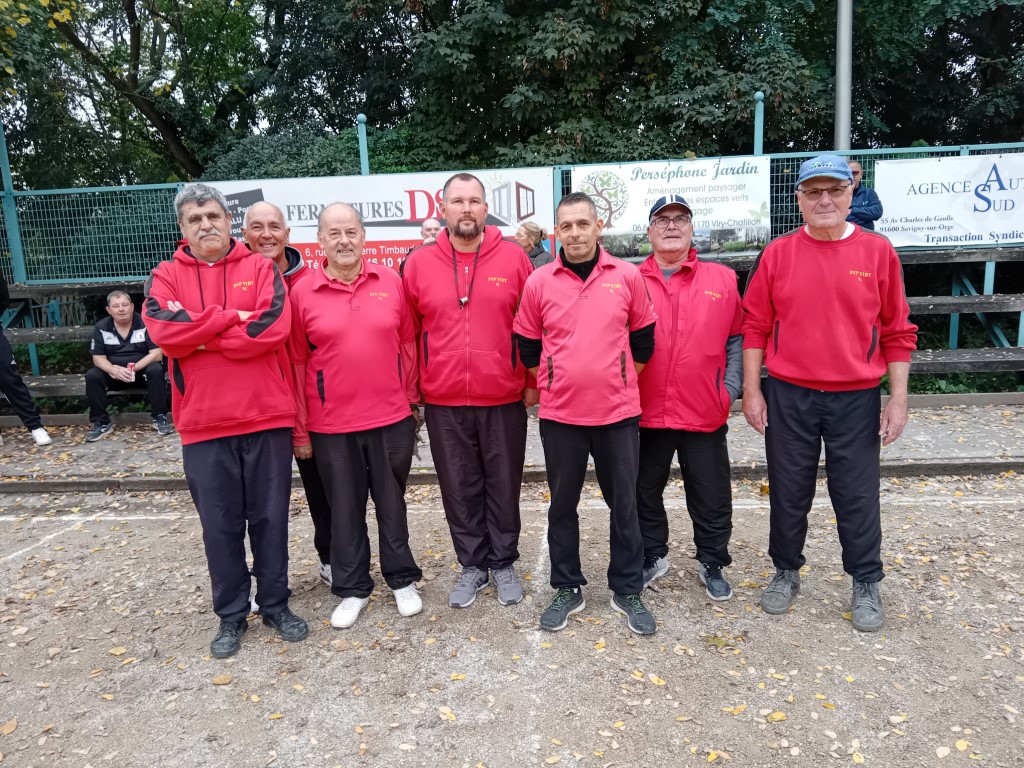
466	352
354	348
831	314
240	381
586	372
698	308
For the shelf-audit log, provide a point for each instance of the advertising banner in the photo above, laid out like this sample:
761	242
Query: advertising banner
952	202
729	197
393	206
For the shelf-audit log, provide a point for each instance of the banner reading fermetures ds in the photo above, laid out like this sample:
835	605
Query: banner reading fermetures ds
393	206
952	201
729	195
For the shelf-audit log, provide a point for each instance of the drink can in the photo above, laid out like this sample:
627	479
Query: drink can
131	370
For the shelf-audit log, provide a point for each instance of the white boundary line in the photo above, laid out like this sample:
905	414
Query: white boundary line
39	543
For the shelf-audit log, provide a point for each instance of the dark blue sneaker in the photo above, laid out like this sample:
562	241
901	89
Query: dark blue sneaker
99	429
710	575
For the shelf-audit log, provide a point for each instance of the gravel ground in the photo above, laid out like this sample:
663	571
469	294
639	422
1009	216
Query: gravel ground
105	623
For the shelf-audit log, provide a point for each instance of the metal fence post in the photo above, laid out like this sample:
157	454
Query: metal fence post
759	123
11	214
364	153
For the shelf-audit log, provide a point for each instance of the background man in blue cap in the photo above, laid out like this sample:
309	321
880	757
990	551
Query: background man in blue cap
826	311
685	392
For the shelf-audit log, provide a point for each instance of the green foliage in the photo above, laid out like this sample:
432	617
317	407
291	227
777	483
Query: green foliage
55	357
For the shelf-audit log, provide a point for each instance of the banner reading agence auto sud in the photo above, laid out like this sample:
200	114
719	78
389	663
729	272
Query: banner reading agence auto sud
729	197
952	201
393	206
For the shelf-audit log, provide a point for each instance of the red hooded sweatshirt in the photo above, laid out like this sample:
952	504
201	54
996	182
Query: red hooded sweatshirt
240	381
698	308
463	305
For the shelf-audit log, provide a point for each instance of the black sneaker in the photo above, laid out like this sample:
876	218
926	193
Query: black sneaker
287	624
654	568
161	426
98	430
228	639
637	616
568	600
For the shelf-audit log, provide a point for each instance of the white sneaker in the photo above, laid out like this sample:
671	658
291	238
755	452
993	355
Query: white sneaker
347	612
41	436
325	573
408	601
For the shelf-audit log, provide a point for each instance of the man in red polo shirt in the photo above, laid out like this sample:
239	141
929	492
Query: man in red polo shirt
686	390
588	319
353	346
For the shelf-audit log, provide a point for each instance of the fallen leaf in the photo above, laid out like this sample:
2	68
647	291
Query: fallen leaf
655	679
738	709
858	758
359	729
18	631
107	697
118	651
255	699
636	674
776	717
552	760
407	747
9	727
458	676
430	641
221	680
962	745
275	716
942	752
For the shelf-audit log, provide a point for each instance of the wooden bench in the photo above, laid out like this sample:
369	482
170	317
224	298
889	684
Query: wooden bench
71	385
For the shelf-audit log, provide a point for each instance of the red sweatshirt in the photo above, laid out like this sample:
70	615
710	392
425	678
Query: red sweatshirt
586	372
354	349
698	307
240	381
465	350
830	313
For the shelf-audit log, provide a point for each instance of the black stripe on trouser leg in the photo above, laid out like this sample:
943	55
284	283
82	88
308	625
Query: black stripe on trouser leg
478	453
238	482
354	465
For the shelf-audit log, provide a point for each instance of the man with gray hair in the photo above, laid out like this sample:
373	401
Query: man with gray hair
221	315
122	351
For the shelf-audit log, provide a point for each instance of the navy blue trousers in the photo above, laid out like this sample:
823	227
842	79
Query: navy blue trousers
799	421
13	388
237	482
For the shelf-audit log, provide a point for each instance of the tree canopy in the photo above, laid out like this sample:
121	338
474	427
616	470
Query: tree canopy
124	91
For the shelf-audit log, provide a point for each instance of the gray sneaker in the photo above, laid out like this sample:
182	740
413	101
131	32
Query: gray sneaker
471	581
99	429
637	616
710	575
866	611
510	591
568	600
654	568
779	594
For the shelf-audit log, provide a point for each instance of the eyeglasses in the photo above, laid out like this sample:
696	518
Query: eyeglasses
662	222
836	193
857	173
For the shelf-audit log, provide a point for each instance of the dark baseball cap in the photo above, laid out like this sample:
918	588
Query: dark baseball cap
666	201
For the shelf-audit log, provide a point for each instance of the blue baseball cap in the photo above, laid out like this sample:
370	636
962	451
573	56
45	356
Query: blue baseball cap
666	201
831	166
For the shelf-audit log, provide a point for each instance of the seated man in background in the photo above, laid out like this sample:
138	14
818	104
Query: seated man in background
119	341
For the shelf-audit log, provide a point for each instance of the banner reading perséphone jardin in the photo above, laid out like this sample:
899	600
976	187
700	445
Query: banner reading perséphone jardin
952	202
729	197
393	206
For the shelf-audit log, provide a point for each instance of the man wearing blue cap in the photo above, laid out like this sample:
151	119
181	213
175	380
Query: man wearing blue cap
685	392
825	311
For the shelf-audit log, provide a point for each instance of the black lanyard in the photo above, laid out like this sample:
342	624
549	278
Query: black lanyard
464	300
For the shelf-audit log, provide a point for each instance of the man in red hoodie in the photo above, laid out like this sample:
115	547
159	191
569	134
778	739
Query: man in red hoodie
266	233
685	391
220	313
826	311
463	290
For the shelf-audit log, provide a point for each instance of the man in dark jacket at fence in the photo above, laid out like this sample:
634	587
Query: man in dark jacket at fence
866	208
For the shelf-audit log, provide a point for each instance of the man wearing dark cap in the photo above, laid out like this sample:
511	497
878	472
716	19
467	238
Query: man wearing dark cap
825	310
686	389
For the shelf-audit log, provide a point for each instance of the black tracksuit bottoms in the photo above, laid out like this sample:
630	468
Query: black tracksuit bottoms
98	383
479	453
239	481
353	465
704	465
319	507
13	388
615	448
799	420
